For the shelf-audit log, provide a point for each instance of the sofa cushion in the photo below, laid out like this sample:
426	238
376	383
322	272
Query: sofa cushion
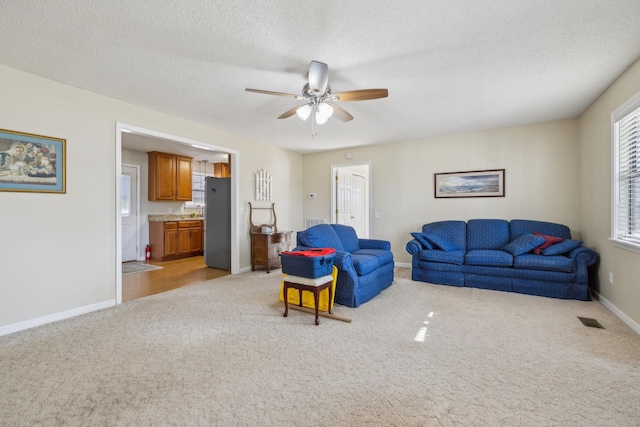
539	262
523	244
448	257
384	257
440	242
322	236
518	227
364	264
487	233
563	247
347	236
548	241
426	244
454	231
491	257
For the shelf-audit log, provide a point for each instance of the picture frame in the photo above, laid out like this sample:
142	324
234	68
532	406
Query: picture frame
32	163
482	183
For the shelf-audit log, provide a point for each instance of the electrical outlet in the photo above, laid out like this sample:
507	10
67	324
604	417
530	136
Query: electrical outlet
611	277
170	210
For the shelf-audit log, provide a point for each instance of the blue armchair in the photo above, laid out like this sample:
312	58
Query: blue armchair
365	266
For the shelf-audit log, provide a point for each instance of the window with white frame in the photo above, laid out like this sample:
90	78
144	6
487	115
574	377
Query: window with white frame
197	190
626	174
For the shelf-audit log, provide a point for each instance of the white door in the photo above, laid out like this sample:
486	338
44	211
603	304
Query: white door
350	206
357	204
343	196
129	212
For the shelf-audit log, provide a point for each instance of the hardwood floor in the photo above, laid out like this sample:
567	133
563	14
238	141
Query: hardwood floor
183	272
174	274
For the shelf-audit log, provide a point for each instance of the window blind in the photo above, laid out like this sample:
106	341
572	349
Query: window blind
197	190
626	215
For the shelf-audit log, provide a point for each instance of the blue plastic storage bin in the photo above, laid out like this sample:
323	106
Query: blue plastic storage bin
307	266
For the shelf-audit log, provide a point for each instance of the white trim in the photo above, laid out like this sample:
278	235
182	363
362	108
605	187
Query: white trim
402	264
31	323
625	245
619	313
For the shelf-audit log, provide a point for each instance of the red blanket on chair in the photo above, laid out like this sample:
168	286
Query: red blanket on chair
311	252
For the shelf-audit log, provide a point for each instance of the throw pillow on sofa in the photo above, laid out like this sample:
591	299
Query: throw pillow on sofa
523	244
423	240
441	243
548	241
567	245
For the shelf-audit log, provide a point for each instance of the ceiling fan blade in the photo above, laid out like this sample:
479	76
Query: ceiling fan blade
318	77
361	95
290	112
268	92
340	113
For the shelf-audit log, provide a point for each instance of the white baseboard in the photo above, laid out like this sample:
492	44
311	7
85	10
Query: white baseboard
403	264
245	270
619	313
20	326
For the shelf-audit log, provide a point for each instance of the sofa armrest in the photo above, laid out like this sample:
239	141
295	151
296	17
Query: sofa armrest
414	247
374	244
583	257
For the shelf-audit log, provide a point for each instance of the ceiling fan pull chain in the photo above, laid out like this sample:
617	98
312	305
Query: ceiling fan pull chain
314	124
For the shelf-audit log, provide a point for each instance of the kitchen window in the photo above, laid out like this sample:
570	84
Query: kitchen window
197	190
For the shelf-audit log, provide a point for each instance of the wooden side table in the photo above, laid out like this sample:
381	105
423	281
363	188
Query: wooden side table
305	284
266	249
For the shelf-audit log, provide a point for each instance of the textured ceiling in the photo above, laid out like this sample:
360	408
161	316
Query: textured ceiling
450	66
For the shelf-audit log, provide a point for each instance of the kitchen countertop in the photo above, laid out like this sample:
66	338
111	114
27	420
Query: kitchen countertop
174	217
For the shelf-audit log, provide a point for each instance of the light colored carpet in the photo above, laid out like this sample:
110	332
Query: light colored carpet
136	266
220	353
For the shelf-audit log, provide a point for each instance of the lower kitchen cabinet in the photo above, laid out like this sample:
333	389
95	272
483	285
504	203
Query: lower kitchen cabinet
175	239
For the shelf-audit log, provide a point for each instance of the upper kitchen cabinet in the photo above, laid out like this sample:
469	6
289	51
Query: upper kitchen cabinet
221	170
169	177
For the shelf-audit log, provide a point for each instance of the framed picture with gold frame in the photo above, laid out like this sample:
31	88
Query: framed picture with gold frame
32	163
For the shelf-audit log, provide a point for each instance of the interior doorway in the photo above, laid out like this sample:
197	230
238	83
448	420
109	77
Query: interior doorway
351	199
130	212
180	143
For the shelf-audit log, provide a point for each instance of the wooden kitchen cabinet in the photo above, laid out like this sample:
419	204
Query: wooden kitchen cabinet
175	239
221	170
169	177
266	249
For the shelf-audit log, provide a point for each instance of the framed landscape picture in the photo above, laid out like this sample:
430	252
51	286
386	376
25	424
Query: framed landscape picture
33	163
487	183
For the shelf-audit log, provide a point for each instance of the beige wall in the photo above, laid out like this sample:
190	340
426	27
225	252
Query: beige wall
595	198
58	251
541	162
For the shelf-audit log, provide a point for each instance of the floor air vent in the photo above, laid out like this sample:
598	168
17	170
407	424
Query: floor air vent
592	323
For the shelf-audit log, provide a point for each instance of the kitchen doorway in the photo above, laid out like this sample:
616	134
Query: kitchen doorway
180	143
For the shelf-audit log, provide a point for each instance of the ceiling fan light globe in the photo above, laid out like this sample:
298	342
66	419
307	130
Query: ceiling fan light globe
325	110
320	119
303	112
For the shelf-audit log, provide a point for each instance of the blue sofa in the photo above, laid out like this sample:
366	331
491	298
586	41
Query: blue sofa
530	257
365	266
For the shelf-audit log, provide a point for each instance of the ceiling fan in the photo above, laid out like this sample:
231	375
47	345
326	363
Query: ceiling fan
320	101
